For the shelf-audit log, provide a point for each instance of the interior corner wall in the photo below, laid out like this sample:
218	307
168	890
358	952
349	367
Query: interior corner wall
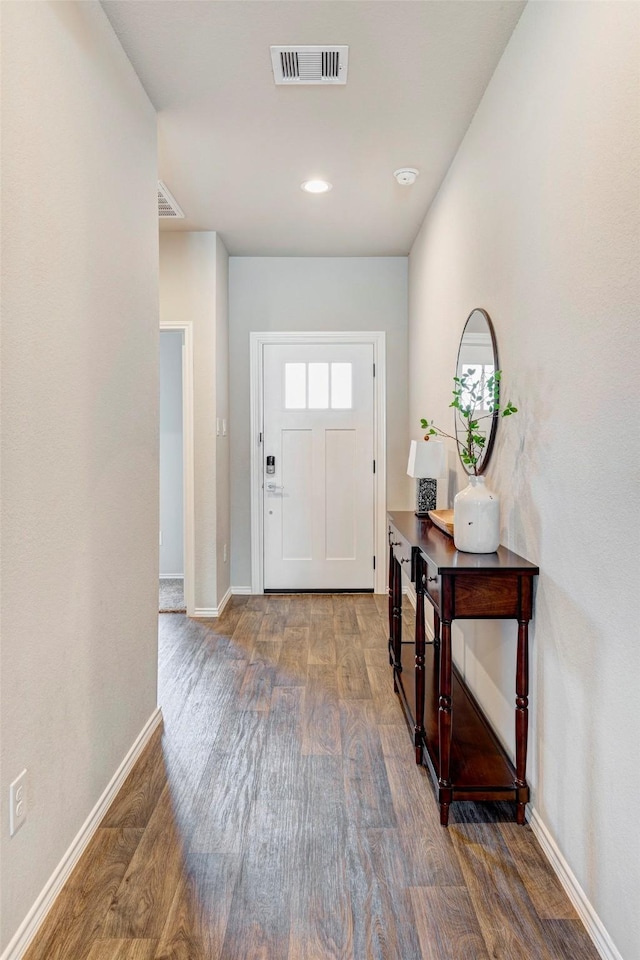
313	293
193	288
79	473
538	222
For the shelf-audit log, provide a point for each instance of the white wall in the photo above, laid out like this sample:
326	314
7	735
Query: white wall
79	426
171	455
538	222
309	293
193	278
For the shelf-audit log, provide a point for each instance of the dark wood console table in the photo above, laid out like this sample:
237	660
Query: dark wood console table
451	734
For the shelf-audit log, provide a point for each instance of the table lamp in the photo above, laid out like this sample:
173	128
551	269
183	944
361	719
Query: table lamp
427	464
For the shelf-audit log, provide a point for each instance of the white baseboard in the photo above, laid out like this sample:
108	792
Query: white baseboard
241	591
209	613
224	601
410	591
172	576
27	930
594	926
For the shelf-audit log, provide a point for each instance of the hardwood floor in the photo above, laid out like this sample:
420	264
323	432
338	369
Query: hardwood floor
279	815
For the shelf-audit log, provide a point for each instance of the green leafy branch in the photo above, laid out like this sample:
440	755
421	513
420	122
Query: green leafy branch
472	395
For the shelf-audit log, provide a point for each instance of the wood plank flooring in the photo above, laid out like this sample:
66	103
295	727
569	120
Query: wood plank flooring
279	815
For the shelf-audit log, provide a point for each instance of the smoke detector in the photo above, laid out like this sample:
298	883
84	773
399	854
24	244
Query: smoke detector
310	64
406	176
167	204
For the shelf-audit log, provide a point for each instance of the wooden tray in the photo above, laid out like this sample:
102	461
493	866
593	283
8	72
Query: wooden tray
443	519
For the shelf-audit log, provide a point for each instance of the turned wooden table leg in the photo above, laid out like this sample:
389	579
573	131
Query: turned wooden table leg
522	718
444	724
392	621
397	616
418	730
436	627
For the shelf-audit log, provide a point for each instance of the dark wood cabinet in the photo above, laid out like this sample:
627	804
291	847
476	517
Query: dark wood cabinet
451	734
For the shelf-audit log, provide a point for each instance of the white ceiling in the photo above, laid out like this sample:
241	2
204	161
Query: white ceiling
234	148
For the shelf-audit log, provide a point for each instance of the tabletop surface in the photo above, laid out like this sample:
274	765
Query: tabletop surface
440	550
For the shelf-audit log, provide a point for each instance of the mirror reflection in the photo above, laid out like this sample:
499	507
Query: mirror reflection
477	363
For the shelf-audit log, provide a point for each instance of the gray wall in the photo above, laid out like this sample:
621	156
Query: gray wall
79	507
309	293
537	222
171	455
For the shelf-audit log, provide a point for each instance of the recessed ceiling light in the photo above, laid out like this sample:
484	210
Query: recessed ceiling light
316	186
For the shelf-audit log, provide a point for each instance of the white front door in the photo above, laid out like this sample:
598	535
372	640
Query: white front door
318	409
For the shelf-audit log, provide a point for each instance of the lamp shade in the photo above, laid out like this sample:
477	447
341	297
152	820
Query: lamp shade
426	459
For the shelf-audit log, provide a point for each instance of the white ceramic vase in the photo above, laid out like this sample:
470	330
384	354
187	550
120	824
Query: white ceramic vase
476	518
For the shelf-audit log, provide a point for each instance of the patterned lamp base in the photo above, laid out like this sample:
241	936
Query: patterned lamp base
425	496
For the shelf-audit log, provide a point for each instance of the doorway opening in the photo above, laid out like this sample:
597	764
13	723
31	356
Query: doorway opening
176	470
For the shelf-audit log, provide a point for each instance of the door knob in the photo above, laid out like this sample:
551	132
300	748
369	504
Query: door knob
273	487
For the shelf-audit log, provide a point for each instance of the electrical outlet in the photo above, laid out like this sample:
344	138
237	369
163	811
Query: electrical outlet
224	428
224	554
217	426
17	803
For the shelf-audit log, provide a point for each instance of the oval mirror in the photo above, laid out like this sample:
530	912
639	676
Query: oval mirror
476	416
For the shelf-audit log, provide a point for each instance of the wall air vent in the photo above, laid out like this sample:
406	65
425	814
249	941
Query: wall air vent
315	64
167	205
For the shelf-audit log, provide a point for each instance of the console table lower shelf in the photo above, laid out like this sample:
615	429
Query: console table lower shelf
479	768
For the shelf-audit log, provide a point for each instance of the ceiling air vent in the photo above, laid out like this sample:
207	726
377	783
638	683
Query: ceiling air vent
167	205
310	64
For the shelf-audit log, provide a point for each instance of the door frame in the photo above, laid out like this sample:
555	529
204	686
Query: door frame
377	340
188	474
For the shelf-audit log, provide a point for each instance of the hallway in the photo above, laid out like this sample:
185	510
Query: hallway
280	815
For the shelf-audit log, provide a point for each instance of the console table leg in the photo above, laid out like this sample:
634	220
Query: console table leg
397	616
522	716
419	673
390	591
444	722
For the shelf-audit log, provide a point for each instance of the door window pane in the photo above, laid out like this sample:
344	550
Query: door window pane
295	386
341	387
318	386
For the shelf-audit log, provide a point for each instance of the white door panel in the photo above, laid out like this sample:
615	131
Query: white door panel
340	494
296	460
319	503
